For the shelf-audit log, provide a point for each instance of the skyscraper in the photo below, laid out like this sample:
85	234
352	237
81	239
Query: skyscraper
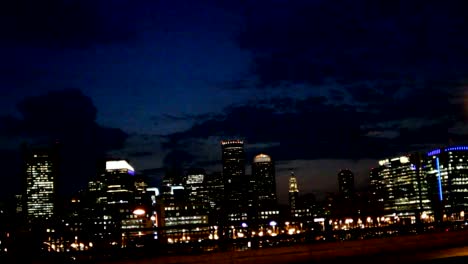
263	173
346	184
41	166
293	193
405	188
447	175
235	180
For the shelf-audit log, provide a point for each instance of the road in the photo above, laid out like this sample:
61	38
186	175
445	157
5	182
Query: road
425	248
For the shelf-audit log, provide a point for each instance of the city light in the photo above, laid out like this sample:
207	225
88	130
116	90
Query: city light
139	212
118	165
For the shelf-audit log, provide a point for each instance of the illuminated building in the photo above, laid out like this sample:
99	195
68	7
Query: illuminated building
195	186
215	186
235	180
405	188
41	178
263	186
115	195
346	184
447	172
263	173
183	220
293	193
376	192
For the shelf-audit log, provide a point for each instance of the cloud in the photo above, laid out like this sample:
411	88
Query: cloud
67	116
315	127
353	41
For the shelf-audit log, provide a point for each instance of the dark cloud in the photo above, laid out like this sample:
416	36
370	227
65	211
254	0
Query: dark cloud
138	154
352	41
382	124
69	117
74	23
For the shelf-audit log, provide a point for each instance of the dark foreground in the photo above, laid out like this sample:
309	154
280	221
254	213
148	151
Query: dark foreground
447	247
444	247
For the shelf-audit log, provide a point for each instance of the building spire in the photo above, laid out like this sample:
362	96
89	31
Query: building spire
293	183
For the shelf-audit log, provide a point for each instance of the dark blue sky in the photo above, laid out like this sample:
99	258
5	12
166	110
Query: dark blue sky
319	85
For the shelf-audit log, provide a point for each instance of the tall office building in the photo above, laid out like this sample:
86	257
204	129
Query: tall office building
41	166
119	182
346	184
293	193
376	192
194	184
447	174
405	187
263	173
235	180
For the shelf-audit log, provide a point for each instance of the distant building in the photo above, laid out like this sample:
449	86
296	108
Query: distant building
263	173
235	180
405	187
194	184
293	193
263	186
376	192
346	184
41	171
447	174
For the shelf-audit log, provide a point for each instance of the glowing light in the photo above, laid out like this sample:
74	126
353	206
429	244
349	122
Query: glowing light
273	223
424	215
434	152
262	158
139	211
229	142
118	165
244	225
404	159
439	180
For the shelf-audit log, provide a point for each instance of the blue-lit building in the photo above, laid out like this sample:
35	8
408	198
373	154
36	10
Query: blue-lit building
447	172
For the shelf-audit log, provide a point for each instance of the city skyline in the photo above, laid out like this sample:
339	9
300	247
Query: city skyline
317	86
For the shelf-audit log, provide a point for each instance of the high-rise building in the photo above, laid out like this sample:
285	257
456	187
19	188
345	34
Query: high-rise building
194	184
235	180
293	193
41	166
405	188
376	192
447	174
346	184
263	173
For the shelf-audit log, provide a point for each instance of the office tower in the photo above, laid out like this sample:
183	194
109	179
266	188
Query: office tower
293	193
447	174
41	166
346	184
235	180
215	186
194	184
119	182
376	192
263	174
405	188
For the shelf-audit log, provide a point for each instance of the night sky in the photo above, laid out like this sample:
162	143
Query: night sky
318	85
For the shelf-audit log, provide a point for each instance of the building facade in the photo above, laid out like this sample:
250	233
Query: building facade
346	184
405	187
235	181
40	196
447	174
293	194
